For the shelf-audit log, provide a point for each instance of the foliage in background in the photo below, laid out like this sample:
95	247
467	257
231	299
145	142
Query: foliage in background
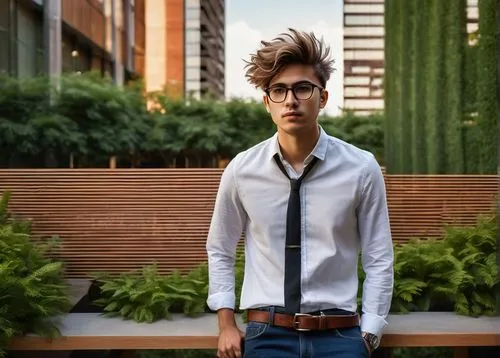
91	119
475	248
456	273
439	88
147	296
32	287
486	85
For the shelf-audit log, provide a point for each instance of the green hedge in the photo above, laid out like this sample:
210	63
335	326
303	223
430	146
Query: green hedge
486	86
437	79
90	119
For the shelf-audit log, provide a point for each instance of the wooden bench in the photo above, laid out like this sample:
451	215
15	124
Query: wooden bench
91	331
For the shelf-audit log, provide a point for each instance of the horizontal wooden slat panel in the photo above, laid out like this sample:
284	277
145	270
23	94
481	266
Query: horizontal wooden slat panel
121	219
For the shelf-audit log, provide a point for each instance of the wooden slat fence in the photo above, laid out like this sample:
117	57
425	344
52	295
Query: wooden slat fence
118	220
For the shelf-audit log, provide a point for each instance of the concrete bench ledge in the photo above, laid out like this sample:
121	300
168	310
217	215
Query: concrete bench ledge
91	331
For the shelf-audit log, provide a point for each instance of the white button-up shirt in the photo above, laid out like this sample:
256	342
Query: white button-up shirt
343	211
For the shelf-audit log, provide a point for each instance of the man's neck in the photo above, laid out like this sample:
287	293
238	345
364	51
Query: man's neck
296	148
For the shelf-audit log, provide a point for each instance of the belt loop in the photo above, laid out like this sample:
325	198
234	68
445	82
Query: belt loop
271	315
322	320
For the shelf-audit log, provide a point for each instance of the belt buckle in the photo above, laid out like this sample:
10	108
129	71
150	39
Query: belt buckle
296	322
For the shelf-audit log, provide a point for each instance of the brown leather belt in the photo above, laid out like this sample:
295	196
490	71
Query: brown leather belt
305	322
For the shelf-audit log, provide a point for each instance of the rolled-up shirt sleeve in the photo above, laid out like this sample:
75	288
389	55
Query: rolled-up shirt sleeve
377	250
225	230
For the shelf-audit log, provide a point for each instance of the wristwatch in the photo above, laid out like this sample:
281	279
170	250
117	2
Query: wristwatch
372	339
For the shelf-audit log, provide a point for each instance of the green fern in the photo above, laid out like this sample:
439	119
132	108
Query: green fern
148	296
32	288
475	247
456	273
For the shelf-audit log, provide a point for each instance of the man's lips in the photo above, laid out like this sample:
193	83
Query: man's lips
291	114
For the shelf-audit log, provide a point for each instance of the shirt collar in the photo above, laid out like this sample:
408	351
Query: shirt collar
319	150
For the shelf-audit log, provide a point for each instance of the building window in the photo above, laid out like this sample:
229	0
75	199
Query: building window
192	74
193	49
193	3
193	36
192	13
29	43
364	20
4	37
75	57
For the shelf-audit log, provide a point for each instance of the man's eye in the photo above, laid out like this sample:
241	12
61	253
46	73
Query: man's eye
303	89
278	90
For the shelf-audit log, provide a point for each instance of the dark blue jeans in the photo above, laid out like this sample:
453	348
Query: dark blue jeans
265	340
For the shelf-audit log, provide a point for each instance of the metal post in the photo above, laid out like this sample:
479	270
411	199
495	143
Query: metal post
130	31
53	39
117	65
114	54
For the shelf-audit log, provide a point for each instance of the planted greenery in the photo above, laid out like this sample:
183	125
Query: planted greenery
439	79
426	275
90	119
475	248
32	288
148	296
456	273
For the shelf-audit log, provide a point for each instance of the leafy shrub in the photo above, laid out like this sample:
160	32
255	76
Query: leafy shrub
425	274
147	296
33	290
475	247
90	119
456	273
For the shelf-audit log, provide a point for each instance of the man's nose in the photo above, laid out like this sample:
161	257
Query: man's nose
290	99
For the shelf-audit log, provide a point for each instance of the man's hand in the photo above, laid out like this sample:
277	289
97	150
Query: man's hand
229	345
230	336
371	341
368	346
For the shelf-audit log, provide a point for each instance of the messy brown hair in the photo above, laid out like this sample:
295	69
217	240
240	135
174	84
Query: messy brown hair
288	48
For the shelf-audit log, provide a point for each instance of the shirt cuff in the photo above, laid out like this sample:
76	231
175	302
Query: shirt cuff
372	323
221	300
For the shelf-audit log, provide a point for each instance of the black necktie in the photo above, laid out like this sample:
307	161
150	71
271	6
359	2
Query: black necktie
292	245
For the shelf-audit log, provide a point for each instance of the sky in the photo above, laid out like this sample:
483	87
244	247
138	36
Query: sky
249	22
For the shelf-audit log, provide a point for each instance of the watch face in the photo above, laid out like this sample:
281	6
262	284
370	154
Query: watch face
372	340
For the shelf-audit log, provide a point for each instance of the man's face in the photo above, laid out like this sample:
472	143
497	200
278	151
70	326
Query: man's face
295	113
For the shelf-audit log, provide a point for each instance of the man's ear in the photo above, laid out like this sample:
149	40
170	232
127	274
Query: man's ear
266	102
323	99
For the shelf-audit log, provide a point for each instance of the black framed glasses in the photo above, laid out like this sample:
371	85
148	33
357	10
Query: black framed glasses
301	91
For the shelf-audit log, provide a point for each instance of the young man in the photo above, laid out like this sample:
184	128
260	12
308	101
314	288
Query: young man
308	203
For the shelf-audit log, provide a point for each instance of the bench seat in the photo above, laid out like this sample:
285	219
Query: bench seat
91	331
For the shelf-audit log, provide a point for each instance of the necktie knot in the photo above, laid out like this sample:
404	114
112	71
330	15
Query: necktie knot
295	184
